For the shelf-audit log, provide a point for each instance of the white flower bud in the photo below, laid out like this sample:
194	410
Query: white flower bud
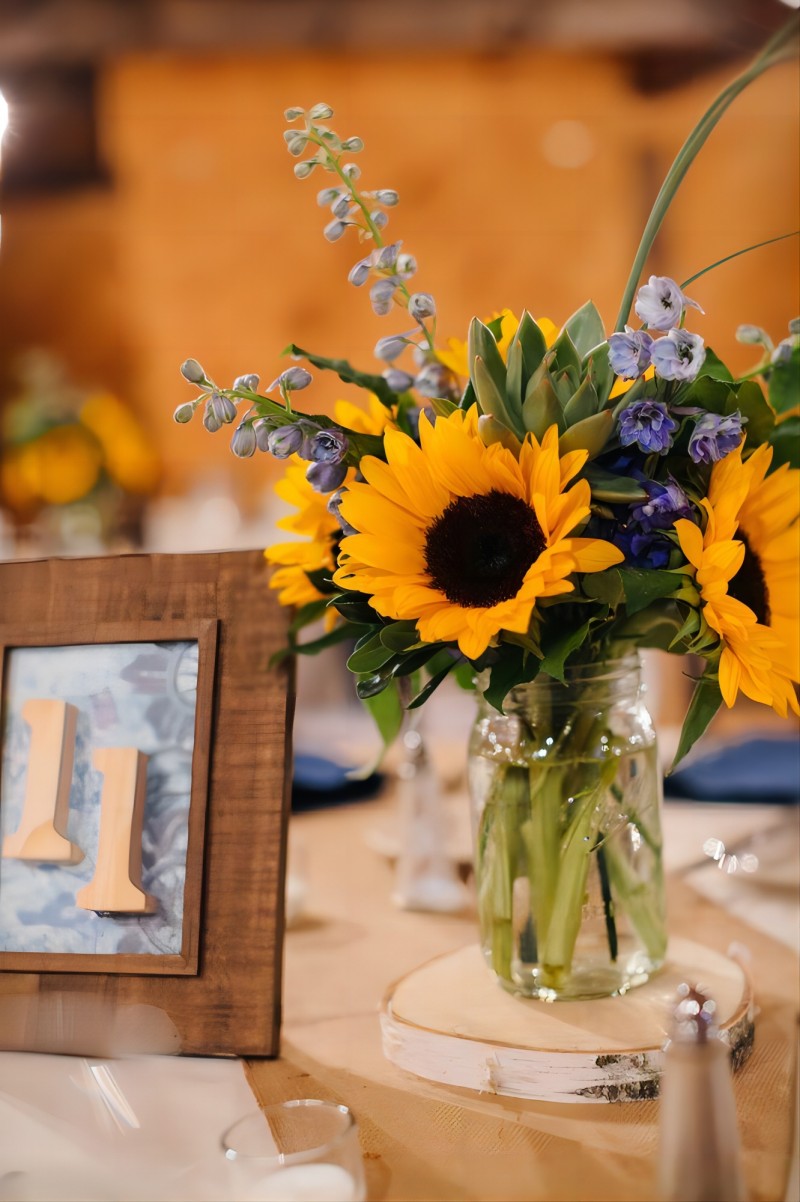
193	372
422	305
354	145
379	218
297	144
351	170
334	230
406	266
387	196
321	112
292	114
327	196
304	169
184	413
243	443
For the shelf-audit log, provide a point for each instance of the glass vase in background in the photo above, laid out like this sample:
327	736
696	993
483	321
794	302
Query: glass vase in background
566	819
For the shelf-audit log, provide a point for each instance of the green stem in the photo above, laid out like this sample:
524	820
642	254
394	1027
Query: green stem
608	903
773	52
735	255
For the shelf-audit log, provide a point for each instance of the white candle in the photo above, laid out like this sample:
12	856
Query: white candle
307	1183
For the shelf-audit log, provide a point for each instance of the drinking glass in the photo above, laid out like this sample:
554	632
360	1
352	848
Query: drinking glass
305	1150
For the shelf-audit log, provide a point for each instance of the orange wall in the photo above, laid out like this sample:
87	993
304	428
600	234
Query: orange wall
208	246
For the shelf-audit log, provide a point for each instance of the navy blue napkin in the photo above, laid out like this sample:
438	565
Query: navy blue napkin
756	769
318	782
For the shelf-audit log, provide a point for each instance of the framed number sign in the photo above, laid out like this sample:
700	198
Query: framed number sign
143	801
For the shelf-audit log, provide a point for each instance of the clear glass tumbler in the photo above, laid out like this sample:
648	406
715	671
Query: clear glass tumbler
305	1150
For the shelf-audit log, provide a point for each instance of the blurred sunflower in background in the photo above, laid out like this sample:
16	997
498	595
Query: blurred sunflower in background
76	460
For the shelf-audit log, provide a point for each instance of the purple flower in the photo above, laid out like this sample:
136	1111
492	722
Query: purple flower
422	305
679	355
648	424
641	550
193	372
665	503
629	353
398	381
222	407
326	477
249	381
436	380
292	380
327	446
714	437
391	347
660	303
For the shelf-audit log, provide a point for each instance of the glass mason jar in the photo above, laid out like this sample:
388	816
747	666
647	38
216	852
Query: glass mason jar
566	820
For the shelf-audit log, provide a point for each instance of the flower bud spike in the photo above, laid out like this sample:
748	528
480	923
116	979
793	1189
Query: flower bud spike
193	372
184	413
243	443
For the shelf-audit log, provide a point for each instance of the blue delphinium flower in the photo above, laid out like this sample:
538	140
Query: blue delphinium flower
648	424
679	355
326	446
326	477
629	353
714	437
642	549
660	303
665	503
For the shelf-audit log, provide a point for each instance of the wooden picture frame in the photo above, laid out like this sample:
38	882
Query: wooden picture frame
212	986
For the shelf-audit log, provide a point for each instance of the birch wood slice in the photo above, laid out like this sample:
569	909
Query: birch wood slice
450	1021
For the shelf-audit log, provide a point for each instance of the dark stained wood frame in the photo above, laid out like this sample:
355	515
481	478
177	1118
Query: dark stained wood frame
77	631
221	996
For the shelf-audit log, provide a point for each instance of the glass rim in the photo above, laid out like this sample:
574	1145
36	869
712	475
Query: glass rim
282	1159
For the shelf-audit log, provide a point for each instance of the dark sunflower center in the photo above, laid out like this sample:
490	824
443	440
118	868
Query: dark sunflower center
749	585
478	551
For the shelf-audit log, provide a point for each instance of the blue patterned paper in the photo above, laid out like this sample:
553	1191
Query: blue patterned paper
139	695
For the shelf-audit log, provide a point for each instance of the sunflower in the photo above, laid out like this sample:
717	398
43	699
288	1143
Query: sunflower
456	356
465	539
318	529
748	572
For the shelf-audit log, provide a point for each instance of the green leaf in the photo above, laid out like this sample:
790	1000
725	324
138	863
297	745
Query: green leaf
785	439
566	359
322	579
605	586
582	403
490	399
307	613
387	713
706	700
432	685
714	367
585	328
355	608
644	585
400	636
417	659
482	345
710	394
514	389
442	407
464	674
347	374
559	650
532	341
608	487
542	407
784	383
598	370
369	655
590	435
338	635
752	403
513	668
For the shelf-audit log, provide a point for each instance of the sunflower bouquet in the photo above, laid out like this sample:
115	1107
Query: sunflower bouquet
531	503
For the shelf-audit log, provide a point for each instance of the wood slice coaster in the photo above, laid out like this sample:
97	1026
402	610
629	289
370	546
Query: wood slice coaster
443	1021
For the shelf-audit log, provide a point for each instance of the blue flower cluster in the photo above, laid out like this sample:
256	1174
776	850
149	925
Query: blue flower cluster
677	356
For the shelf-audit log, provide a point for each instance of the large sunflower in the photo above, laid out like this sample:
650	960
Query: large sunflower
748	570
465	539
318	529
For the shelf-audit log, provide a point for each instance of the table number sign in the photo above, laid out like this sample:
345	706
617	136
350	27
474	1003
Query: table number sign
142	854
